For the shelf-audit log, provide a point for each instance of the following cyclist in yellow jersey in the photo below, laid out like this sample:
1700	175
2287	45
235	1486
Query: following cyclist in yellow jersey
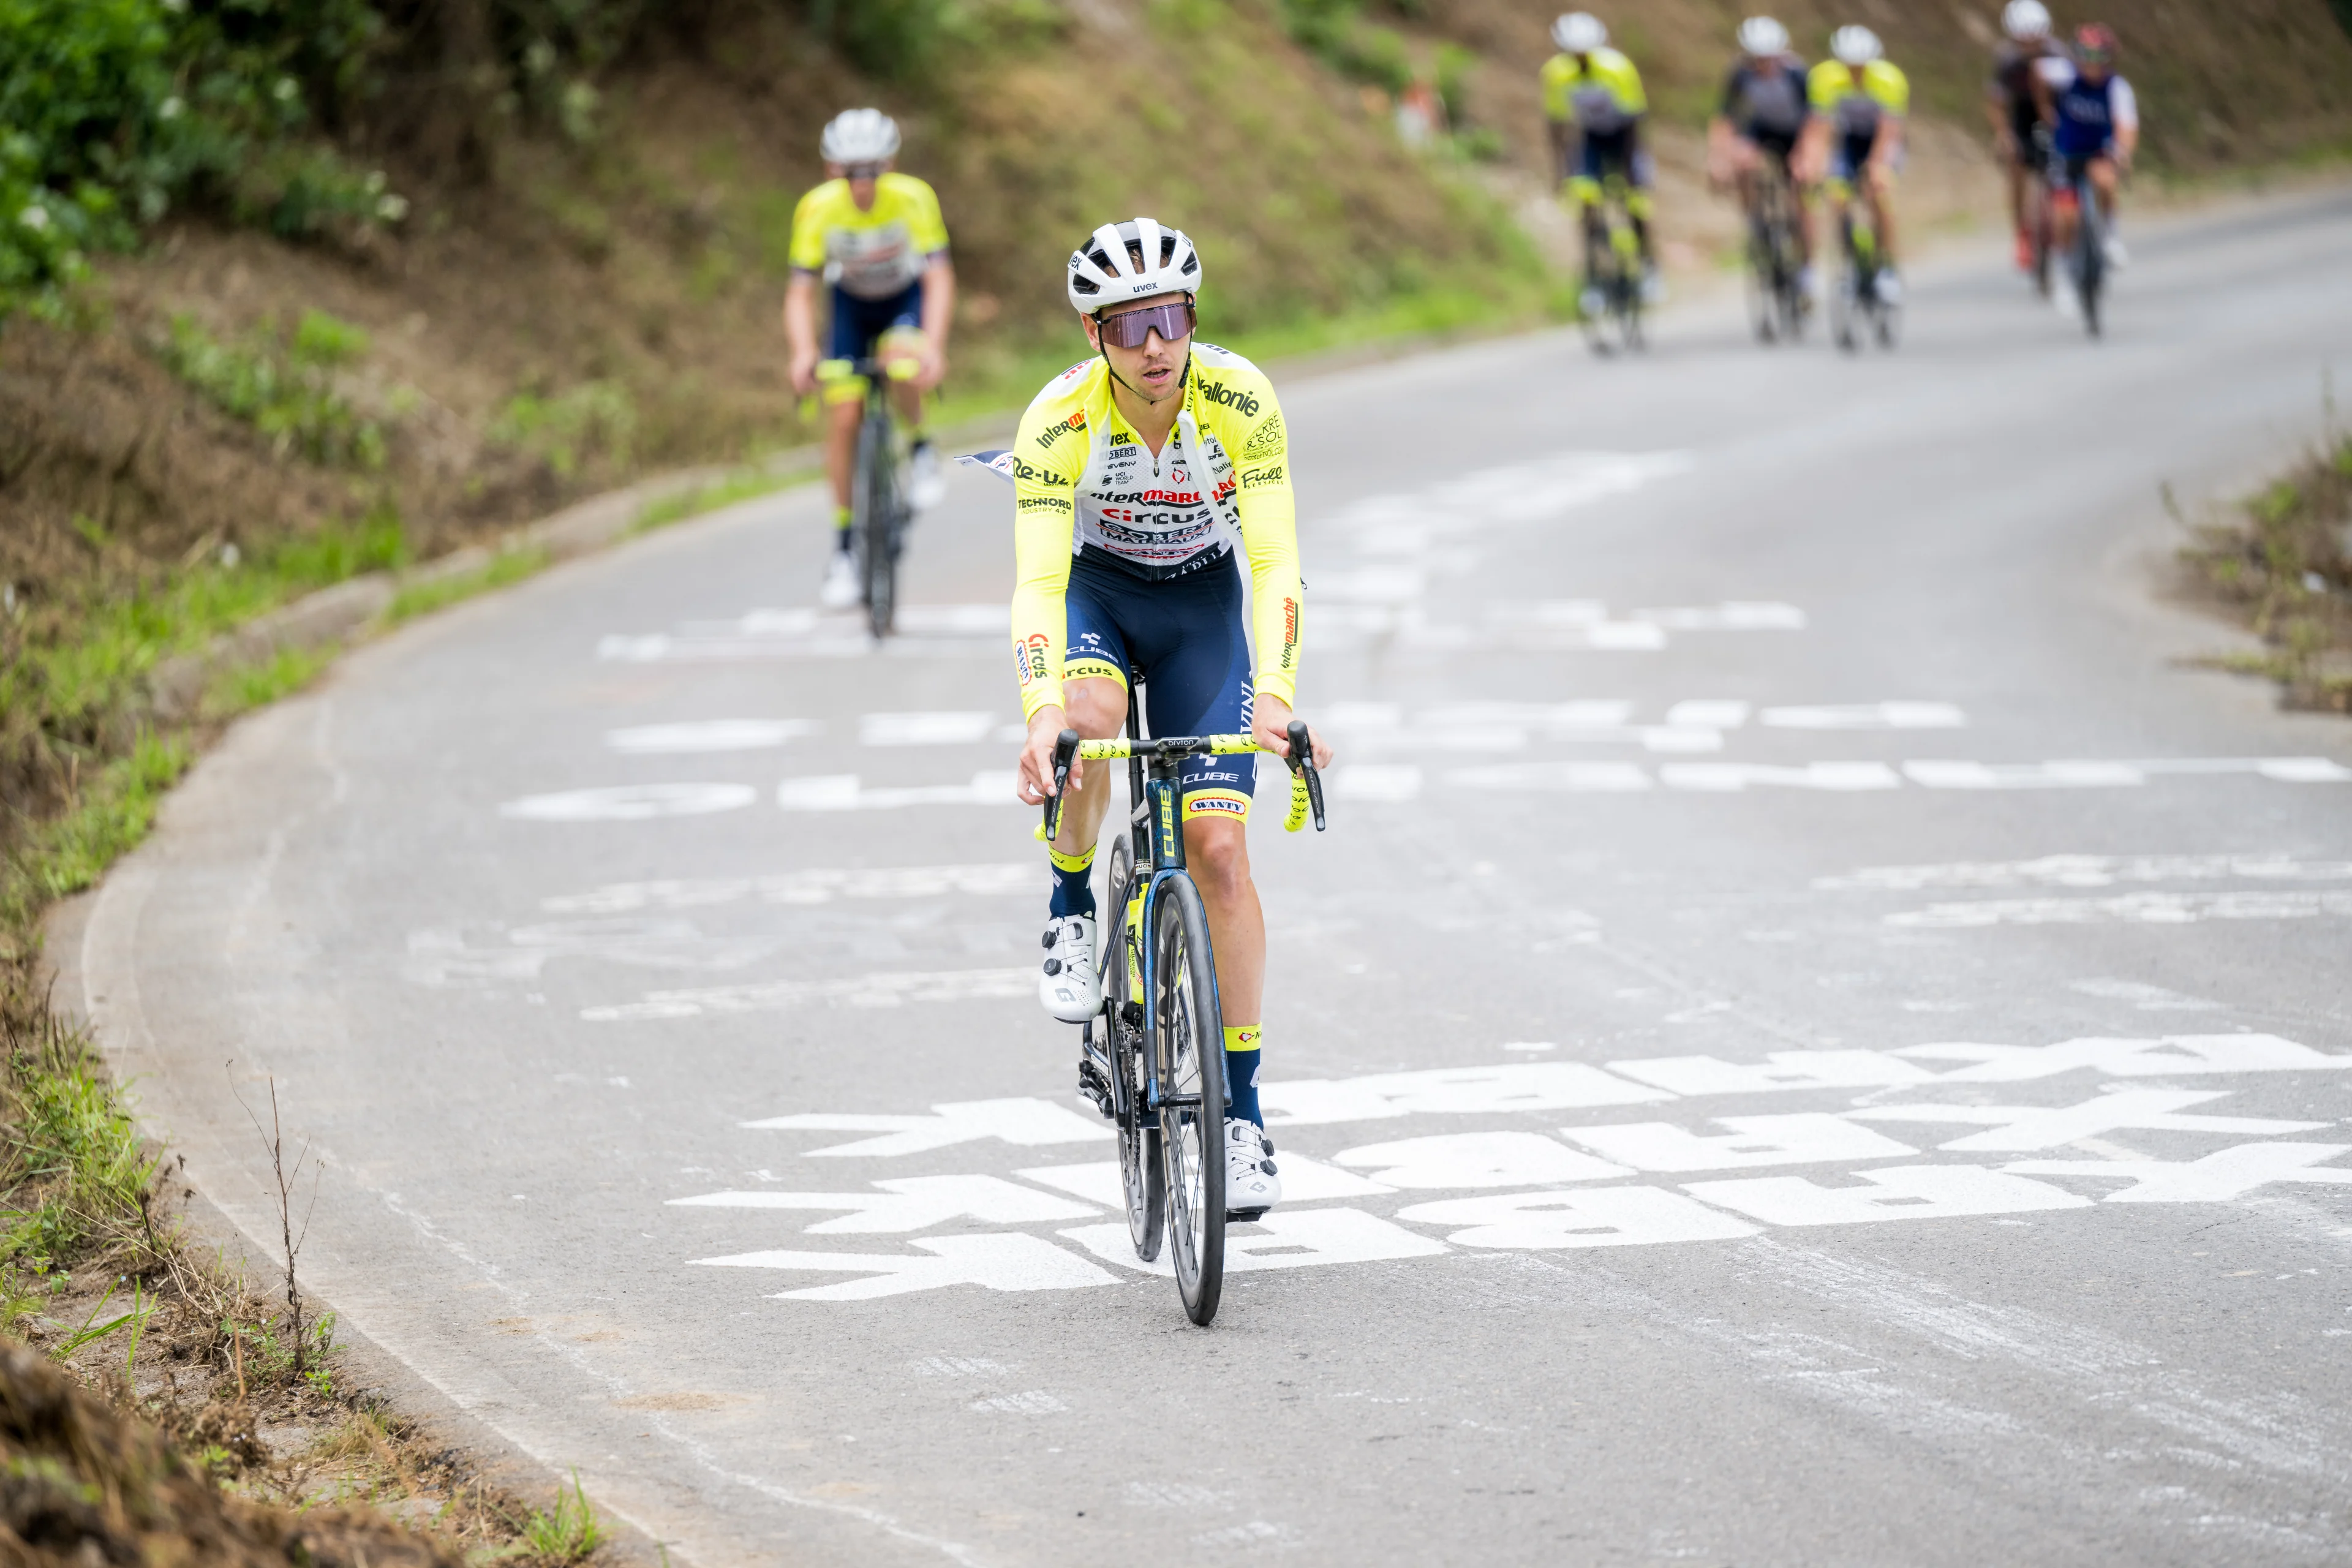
1593	109
868	253
1855	139
1083	482
874	240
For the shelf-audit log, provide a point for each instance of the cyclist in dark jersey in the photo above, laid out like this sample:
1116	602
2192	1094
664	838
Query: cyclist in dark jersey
2096	132
2027	71
1762	114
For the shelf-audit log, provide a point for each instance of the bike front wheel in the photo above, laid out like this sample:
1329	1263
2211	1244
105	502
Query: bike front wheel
1189	1058
1142	1175
876	498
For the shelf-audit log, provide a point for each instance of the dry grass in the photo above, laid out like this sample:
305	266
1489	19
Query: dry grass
2282	566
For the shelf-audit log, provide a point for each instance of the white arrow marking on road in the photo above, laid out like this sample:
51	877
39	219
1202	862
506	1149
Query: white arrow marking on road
1514	1086
2022	1129
891	990
908	1203
1028	1122
630	803
2217	1178
1474	1160
1594	1216
2169	1057
1808	1138
1899	1192
1283	1240
1303	1181
1781	1070
1011	1260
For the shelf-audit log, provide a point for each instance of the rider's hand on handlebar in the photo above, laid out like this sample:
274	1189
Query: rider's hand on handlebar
1273	728
803	372
1037	773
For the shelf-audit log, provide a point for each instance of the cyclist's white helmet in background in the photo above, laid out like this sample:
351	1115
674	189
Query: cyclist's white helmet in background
1579	33
2026	20
1104	271
1761	36
1856	45
860	136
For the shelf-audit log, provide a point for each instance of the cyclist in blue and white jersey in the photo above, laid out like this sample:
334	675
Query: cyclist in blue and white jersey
2097	131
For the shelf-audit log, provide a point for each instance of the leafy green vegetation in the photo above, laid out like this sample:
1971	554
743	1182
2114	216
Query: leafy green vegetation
114	112
2284	566
744	484
284	387
598	416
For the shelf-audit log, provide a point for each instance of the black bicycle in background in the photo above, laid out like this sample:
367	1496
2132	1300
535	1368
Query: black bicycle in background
2086	258
1609	302
1776	257
879	512
1153	1060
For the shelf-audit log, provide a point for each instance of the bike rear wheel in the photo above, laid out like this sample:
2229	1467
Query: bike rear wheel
1142	1175
875	500
2090	259
1189	1043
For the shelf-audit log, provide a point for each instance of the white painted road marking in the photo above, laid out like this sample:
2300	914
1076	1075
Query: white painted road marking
2087	872
842	792
1011	1260
1476	1160
1897	1192
2129	909
909	1202
1806	1138
818	885
1025	1122
630	803
709	735
1592	1217
891	990
2022	1129
2217	1178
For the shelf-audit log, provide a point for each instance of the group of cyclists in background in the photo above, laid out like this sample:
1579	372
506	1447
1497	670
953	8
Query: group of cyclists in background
2065	123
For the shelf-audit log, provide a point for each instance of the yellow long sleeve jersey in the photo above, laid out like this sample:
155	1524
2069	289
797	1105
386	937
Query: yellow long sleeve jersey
1084	480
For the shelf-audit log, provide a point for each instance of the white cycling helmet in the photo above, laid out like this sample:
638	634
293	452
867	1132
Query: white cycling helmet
1122	261
1761	36
1579	33
2026	20
1856	45
860	136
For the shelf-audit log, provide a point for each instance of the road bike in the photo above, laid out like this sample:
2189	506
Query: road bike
878	488
2086	258
1776	255
1857	309
1609	302
1153	1060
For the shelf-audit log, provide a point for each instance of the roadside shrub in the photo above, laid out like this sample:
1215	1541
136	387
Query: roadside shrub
283	389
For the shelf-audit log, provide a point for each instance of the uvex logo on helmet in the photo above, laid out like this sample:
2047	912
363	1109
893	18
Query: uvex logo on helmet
1218	392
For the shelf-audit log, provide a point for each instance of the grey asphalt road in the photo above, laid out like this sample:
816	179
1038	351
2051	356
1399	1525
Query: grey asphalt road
1812	1036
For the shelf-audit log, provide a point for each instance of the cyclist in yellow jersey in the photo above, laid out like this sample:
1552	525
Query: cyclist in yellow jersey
876	237
1595	106
1856	136
1141	477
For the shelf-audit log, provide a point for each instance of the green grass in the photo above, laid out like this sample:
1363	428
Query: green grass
108	813
510	565
2281	566
248	686
570	1532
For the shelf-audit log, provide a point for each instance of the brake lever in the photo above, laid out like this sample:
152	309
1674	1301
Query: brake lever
1066	751
1302	764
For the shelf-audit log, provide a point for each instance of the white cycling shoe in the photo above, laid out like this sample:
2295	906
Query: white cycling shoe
1252	1183
840	587
926	485
1068	986
2117	257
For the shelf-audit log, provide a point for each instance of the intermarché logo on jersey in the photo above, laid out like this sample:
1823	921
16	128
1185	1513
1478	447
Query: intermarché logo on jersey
1218	392
1053	433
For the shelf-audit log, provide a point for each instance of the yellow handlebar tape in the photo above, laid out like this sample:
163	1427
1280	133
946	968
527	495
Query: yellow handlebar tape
1219	746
